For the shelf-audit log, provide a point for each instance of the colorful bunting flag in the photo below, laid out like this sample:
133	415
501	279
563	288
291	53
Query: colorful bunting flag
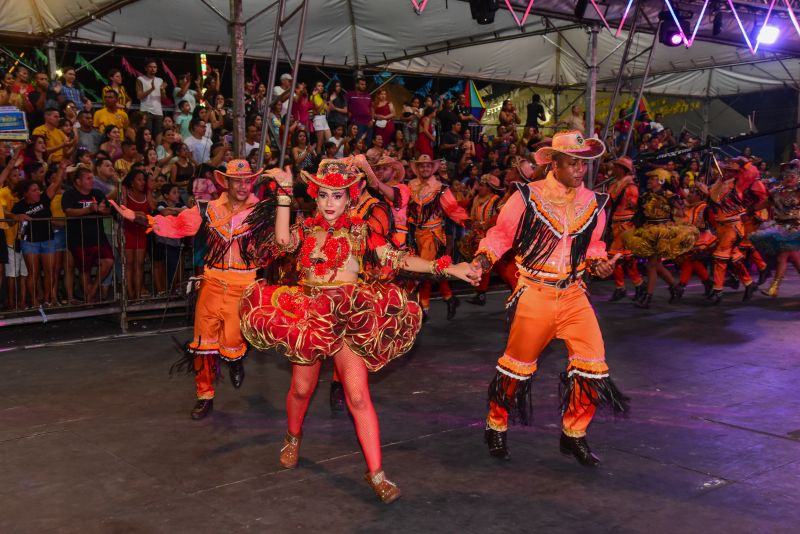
474	101
80	61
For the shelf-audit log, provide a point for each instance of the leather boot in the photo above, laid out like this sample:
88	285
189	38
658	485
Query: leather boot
337	397
236	370
452	304
290	452
618	294
676	293
763	276
202	408
578	448
709	287
644	302
716	296
749	291
773	287
479	299
640	291
496	441
385	489
731	281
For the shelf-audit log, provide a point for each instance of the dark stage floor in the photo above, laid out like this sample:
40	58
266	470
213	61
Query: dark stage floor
95	437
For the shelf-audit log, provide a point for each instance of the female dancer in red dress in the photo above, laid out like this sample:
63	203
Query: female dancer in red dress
334	311
425	138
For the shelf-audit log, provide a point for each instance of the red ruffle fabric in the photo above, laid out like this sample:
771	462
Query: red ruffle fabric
376	320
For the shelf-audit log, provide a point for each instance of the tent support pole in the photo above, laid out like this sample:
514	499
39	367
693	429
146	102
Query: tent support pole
620	75
707	108
273	70
237	60
50	46
591	96
641	90
295	68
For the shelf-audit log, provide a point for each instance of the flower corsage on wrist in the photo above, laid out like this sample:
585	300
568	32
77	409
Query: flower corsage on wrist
440	265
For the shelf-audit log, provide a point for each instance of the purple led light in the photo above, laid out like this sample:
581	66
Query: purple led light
676	39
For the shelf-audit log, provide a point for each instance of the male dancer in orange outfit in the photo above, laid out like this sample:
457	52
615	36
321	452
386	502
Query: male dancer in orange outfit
556	226
430	201
230	266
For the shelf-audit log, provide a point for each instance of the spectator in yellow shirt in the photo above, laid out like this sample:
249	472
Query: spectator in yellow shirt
54	137
111	114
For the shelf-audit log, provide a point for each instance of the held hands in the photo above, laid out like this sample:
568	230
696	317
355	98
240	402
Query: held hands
466	272
604	268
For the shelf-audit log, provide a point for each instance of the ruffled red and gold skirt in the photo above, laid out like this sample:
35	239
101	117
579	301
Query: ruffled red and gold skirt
375	320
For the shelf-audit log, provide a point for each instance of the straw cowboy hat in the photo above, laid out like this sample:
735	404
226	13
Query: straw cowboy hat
492	181
424	158
662	175
397	167
235	168
626	163
572	144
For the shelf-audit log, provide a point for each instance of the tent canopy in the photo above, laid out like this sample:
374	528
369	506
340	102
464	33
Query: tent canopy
443	40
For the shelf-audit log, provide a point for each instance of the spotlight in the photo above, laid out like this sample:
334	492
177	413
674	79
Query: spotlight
670	33
769	35
483	10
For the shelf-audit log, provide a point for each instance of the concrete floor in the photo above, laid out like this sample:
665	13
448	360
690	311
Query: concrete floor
96	437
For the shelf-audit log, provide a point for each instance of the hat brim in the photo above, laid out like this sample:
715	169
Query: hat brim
308	177
593	150
625	166
222	179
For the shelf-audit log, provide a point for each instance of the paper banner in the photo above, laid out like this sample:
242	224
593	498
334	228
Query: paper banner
168	72
127	67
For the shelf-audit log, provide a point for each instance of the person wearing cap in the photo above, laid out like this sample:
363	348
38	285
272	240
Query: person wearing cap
281	93
431	201
624	195
781	236
335	312
231	262
659	237
555	226
483	214
731	195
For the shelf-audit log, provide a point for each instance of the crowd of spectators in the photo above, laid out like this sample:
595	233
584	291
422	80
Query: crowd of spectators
130	148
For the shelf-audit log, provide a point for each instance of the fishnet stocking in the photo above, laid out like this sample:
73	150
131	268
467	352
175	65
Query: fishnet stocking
353	372
304	381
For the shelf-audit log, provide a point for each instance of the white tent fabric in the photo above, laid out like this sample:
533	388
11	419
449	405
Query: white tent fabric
389	34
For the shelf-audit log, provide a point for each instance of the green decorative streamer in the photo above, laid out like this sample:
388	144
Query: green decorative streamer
79	60
88	92
41	56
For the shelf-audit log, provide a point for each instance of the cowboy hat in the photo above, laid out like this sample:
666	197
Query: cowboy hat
397	167
573	144
334	174
626	163
492	181
424	158
235	168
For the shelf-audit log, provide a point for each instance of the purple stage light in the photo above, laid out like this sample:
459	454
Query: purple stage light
769	35
676	39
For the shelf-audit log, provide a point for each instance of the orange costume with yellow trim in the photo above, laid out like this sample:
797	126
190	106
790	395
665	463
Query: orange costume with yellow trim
555	232
229	269
429	203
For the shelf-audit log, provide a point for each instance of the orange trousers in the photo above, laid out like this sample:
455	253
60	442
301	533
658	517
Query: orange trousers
542	314
751	225
729	236
429	242
216	326
690	265
626	265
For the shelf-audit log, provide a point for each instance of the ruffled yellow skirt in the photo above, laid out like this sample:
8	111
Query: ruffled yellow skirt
667	240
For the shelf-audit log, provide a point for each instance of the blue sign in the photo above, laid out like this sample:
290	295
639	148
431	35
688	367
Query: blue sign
13	125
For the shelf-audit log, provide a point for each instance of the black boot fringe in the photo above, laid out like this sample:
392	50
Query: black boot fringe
519	404
186	363
599	391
